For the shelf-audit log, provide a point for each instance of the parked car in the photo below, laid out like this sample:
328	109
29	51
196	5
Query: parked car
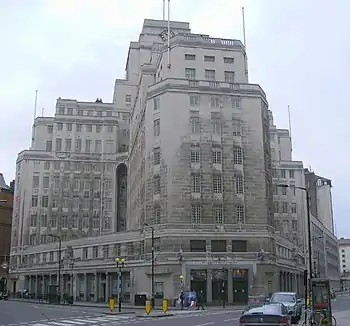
266	314
291	301
3	295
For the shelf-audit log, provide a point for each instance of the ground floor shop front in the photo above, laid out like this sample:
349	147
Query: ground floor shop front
234	283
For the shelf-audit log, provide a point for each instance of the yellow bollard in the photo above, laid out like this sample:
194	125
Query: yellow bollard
148	307
165	305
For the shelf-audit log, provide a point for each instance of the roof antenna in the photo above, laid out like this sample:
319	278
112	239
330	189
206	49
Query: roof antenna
245	45
290	128
34	116
169	64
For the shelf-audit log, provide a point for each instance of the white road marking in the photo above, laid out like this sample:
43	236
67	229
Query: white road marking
231	319
85	321
39	324
57	324
205	324
72	322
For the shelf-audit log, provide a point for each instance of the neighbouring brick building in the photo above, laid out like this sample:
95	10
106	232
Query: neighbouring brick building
6	203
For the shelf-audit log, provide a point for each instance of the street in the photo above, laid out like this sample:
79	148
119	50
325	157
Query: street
15	313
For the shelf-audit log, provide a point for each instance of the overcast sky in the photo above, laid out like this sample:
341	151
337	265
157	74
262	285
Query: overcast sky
298	52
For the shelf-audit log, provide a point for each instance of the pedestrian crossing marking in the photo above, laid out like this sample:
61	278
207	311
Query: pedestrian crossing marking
85	321
57	323
72	322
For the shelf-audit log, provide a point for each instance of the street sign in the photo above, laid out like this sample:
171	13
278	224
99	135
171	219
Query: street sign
165	305
4	266
148	307
111	303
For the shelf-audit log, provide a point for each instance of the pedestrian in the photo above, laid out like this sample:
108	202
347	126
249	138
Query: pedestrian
182	297
200	300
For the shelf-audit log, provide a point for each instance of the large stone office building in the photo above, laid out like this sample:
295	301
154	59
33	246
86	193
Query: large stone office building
193	138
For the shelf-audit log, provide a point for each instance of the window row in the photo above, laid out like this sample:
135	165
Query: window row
195	155
285	207
79	127
93	113
195	125
284	191
196	184
69	222
283	173
75	203
74	166
209	58
210	75
215	101
219	245
217	214
84	146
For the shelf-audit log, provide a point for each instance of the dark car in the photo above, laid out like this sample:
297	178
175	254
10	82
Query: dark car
266	314
291	301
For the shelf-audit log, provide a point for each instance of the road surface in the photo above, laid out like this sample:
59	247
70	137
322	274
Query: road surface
14	313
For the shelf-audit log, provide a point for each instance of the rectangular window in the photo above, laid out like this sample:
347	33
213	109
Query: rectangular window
156	180
156	103
275	189
156	127
110	128
216	126
198	246
59	126
284	207
292	190
195	155
218	214
209	58
237	155
44	201
217	184
209	74
34	201
194	101
49	146
190	73
78	145
46	182
47	165
68	145
50	129
195	125
291	174
88	128
236	127
229	77
228	60
128	100
95	252
240	214
156	156
190	57
276	207
88	145
98	128
217	155
236	102
69	127
196	217
293	208
35	181
98	146
78	127
283	174
105	250
195	183
284	191
58	144
239	184
215	102
156	214
218	246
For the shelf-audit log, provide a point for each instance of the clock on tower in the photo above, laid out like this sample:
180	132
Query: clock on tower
164	34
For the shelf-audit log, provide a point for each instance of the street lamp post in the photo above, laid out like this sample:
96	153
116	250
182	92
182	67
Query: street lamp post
309	242
59	262
120	264
152	268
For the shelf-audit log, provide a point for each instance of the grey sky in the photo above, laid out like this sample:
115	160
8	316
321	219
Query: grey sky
298	51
